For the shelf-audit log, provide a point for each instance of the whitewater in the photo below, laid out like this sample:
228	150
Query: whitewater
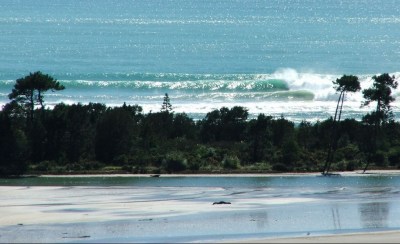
277	57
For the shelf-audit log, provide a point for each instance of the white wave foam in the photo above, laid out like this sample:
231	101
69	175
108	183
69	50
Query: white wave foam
321	84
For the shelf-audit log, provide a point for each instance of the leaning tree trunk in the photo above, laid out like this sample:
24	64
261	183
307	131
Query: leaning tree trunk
375	134
333	132
31	106
334	135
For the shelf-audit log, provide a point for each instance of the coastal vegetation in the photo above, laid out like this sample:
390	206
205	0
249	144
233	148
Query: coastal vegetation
93	138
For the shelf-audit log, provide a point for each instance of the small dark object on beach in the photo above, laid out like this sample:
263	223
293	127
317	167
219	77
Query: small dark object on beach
154	175
75	237
20	224
145	219
221	202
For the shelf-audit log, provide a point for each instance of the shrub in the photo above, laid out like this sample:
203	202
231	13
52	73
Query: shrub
394	156
280	167
120	160
194	165
379	158
44	166
174	162
352	165
290	152
231	162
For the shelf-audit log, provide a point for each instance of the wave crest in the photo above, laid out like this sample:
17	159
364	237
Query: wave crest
284	84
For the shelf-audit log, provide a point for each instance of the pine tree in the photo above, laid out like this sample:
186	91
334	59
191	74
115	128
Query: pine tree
347	83
381	93
166	106
28	91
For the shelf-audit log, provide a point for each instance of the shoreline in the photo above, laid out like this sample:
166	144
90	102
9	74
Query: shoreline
268	214
291	174
391	236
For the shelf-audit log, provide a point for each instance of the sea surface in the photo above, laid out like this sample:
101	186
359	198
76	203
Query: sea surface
277	57
180	209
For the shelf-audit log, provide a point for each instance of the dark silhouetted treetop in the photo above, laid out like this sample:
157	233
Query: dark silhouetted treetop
166	106
381	92
28	91
347	83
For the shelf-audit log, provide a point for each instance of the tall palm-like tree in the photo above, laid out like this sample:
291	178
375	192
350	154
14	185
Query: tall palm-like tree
347	83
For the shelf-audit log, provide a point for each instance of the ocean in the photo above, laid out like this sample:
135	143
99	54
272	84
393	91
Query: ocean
277	57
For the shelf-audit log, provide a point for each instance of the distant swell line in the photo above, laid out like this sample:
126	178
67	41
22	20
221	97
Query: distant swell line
187	86
213	21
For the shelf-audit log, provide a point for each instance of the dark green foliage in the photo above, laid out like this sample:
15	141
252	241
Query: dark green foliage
281	129
71	131
38	138
166	105
92	137
183	126
290	152
224	124
379	158
115	133
394	156
87	137
231	162
381	93
28	91
347	83
259	137
304	133
14	148
174	162
280	167
347	152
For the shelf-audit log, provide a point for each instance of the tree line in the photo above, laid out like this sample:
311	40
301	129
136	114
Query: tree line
95	138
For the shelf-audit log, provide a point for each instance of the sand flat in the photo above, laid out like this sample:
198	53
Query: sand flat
372	237
180	209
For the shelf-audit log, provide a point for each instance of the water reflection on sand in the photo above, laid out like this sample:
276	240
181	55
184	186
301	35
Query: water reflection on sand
374	214
179	209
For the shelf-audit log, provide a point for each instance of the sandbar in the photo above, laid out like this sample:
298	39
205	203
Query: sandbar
370	237
269	210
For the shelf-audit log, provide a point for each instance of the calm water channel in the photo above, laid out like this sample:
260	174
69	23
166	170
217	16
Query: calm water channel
179	209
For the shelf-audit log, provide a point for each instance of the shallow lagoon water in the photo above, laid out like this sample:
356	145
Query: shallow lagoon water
179	209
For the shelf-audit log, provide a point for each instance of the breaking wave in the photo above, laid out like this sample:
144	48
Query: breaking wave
286	92
284	84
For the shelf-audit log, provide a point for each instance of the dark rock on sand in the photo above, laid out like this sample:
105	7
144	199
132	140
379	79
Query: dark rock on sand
221	202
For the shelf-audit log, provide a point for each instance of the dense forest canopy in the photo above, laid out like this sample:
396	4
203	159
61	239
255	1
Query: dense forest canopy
82	138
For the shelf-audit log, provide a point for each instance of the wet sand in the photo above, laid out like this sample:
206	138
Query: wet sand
373	237
136	213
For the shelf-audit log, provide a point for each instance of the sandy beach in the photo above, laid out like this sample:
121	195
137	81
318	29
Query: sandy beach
373	237
273	208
